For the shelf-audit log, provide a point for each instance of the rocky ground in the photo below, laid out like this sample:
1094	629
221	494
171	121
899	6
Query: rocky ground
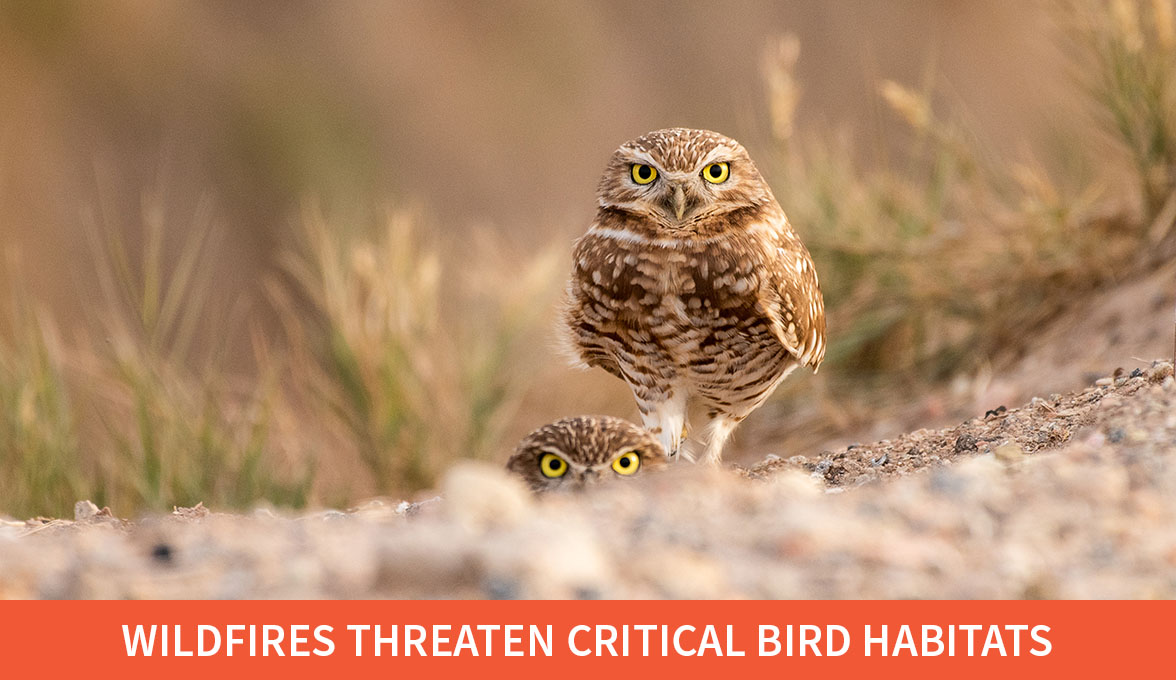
1066	496
1120	327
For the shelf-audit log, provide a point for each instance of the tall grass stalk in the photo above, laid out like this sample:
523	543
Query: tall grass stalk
419	362
166	420
949	262
1126	51
41	471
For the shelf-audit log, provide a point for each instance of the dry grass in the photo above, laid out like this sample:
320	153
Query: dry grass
416	359
38	439
393	356
952	259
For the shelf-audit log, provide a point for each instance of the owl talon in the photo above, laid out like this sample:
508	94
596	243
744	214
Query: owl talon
673	455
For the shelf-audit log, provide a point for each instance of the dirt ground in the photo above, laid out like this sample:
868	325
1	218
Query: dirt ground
1066	496
1072	494
1123	327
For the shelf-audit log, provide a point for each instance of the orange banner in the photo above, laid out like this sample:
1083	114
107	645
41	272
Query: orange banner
584	639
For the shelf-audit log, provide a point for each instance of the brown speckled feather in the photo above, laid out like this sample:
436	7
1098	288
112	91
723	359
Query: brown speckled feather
589	445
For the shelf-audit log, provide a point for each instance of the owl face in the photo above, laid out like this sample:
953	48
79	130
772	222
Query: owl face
575	453
679	178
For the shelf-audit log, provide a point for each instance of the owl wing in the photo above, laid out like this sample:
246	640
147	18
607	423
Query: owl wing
589	322
791	296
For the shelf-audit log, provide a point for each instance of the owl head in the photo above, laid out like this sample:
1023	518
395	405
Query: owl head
574	453
679	178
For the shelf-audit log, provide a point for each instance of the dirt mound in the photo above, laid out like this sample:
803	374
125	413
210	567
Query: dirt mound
1072	496
1040	425
1119	327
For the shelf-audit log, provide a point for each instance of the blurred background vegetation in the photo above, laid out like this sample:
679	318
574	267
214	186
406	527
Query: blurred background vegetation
304	253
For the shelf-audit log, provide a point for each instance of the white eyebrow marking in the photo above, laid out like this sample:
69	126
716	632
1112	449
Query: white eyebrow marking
717	154
572	465
642	156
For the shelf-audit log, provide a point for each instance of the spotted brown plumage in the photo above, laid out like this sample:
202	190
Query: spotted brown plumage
590	449
692	291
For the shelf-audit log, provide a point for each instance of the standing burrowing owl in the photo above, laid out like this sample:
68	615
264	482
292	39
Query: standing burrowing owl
692	285
575	452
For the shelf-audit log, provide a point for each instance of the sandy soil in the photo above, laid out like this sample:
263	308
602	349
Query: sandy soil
1124	326
1066	496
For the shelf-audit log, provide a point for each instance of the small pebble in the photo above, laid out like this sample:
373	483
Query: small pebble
162	552
964	442
1009	453
995	412
84	510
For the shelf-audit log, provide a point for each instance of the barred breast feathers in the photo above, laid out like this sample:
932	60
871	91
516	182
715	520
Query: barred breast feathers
788	291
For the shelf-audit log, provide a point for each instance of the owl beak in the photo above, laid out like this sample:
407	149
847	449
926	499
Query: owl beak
678	201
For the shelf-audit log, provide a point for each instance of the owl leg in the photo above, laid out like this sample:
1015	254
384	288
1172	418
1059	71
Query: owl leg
715	434
664	416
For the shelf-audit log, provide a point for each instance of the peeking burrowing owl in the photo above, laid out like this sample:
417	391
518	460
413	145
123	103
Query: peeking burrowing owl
575	452
691	286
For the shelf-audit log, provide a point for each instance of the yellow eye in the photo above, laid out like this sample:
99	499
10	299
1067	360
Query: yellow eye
627	464
552	465
643	174
716	173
